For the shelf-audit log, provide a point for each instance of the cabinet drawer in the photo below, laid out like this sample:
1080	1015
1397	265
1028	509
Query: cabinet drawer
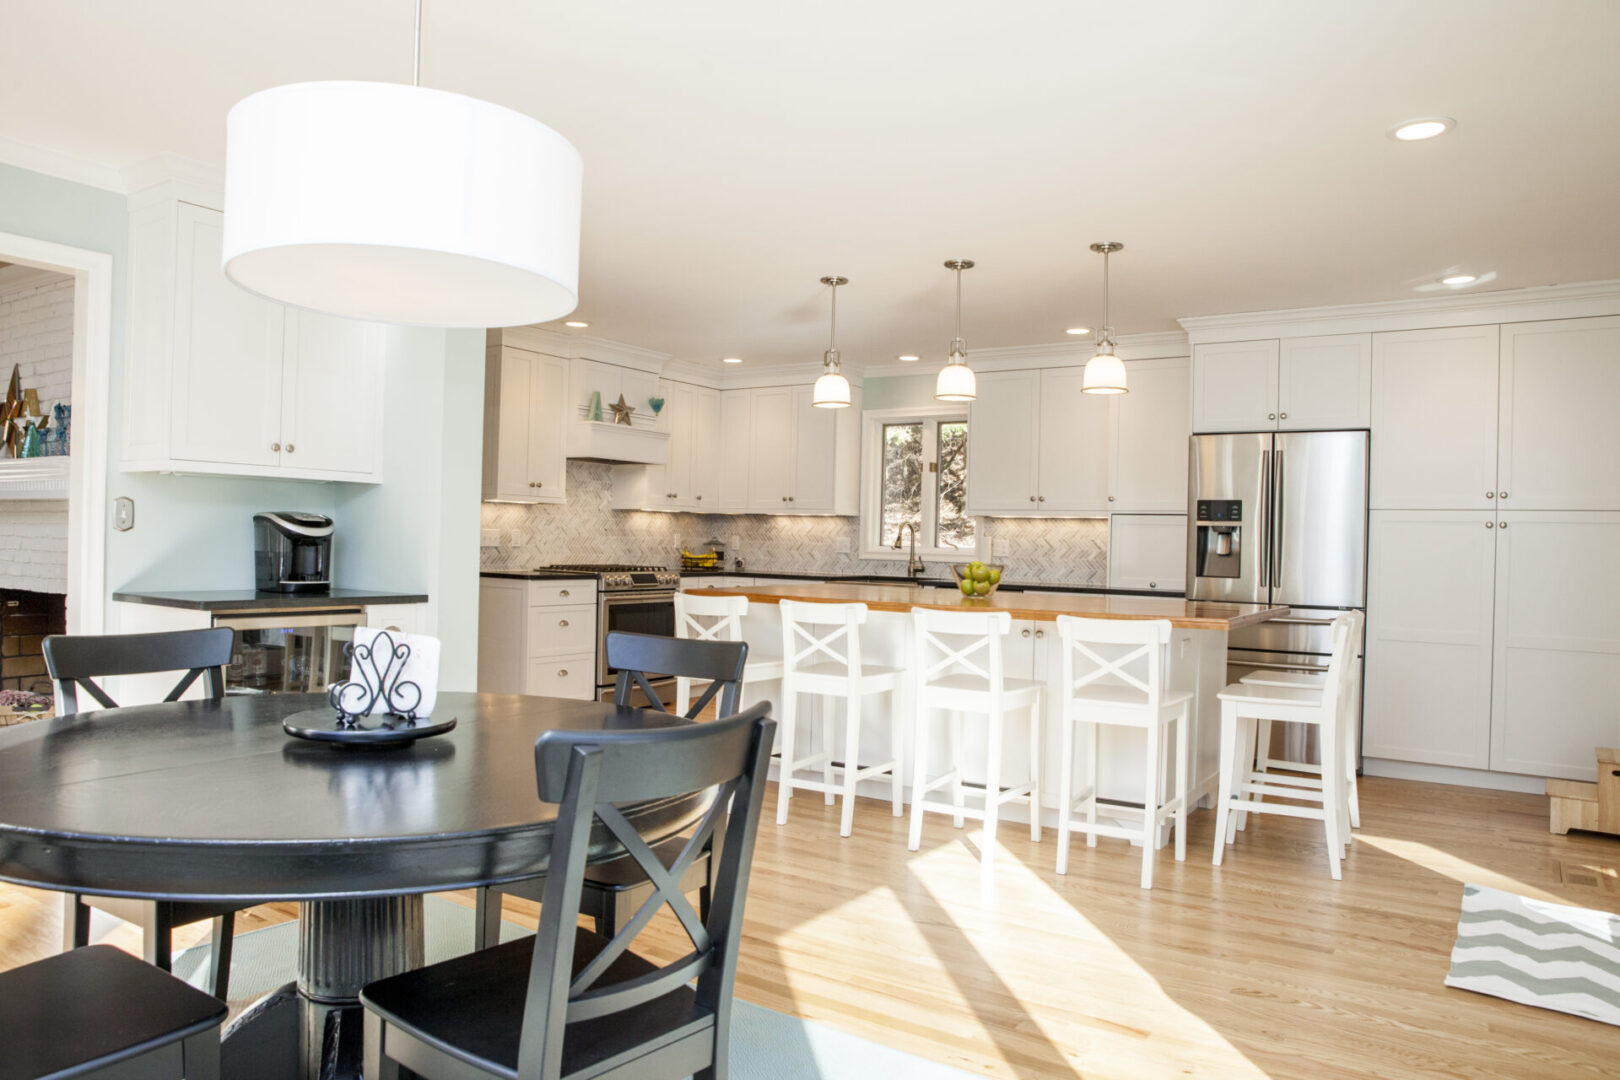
564	676
562	631
564	593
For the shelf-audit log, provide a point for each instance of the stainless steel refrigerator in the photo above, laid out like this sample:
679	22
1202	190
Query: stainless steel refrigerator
1280	518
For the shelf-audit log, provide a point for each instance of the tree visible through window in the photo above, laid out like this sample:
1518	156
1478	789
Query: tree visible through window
924	483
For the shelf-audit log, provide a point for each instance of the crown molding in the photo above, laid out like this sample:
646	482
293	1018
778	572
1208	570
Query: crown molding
48	162
1165	344
171	176
1573	301
582	347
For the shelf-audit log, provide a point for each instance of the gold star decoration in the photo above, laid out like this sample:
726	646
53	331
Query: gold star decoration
621	412
12	409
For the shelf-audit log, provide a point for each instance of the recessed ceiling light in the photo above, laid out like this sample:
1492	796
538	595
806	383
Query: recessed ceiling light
731	359
1425	127
577	324
909	359
1459	279
1078	330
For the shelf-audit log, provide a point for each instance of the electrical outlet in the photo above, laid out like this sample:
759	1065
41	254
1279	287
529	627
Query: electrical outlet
489	538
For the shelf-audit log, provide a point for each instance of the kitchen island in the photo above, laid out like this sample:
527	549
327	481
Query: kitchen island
1197	662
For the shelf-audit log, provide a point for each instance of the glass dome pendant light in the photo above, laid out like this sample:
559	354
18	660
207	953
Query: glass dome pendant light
401	203
832	389
1105	372
956	381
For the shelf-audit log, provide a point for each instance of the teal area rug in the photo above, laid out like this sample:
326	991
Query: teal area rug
765	1044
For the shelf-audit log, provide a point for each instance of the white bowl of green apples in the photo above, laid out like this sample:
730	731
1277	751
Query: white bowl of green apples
977	580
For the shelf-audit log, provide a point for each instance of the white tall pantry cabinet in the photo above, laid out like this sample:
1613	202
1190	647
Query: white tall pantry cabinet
525	417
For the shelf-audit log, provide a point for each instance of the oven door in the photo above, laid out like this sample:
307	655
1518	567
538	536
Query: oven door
634	613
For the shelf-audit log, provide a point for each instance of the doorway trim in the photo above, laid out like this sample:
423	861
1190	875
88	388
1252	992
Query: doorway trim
92	273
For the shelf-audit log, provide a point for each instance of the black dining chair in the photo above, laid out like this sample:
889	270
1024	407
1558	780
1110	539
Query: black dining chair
75	661
614	890
568	1002
99	1012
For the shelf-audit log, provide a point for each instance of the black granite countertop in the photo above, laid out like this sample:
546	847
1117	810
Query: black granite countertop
536	575
248	600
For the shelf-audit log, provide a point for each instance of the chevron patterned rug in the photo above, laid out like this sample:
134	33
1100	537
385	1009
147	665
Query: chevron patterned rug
1552	956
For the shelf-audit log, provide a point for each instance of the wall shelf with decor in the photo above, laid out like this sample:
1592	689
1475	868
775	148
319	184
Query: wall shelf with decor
34	478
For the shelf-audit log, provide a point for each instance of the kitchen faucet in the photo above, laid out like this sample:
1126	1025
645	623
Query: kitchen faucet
914	565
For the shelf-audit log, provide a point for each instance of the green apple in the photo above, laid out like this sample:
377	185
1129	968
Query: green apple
995	576
980	572
967	586
981	588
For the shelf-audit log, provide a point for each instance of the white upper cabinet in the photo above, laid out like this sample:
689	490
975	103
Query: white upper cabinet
706	451
525	412
1004	443
1148	455
220	381
1147	551
1556	693
1074	445
1324	383
815	442
1434	419
735	442
1235	386
1559	439
1431	580
771	451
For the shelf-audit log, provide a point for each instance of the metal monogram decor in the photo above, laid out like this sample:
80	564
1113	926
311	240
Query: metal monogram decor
381	685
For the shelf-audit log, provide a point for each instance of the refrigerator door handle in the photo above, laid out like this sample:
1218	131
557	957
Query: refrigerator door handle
1277	520
1265	518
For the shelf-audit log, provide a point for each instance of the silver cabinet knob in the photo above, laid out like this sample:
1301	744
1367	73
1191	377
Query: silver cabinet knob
1282	416
562	592
1040	633
1490	524
1490	494
562	673
1271	416
790	498
700	498
1153	584
1043	498
784	498
1026	633
1110	498
275	448
562	622
1032	498
289	448
1499	494
1501	525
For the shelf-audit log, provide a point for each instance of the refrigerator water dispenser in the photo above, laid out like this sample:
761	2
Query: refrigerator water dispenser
1219	538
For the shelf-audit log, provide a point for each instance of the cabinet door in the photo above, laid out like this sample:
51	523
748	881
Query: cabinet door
227	356
1324	383
1003	452
1147	551
815	458
1073	446
706	451
1429	617
770	476
680	407
547	428
564	677
332	391
1434	419
1558	440
1556	692
1148	458
506	419
736	449
1235	386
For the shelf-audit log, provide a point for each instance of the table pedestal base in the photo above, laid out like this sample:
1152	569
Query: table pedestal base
311	1029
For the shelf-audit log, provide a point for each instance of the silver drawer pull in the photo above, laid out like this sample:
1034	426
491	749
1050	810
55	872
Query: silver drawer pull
562	673
562	592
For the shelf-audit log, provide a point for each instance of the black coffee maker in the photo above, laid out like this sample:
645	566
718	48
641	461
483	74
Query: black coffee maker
293	552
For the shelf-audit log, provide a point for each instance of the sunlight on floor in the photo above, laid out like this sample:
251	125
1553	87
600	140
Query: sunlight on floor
1448	865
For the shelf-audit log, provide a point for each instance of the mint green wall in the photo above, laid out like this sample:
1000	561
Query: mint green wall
898	392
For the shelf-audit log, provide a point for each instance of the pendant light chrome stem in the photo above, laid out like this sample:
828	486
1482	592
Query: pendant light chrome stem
832	388
416	57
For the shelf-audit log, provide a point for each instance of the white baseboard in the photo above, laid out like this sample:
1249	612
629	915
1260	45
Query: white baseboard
1446	774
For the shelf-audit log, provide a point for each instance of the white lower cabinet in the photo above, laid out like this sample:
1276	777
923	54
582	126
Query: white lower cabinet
1431	577
537	637
1556	692
1147	551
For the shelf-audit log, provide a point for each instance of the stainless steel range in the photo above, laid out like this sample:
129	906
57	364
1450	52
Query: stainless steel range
634	599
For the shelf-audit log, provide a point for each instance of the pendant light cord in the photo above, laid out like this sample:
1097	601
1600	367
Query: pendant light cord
832	338
959	303
1105	284
416	56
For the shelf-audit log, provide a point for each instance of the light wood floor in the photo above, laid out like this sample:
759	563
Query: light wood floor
1264	967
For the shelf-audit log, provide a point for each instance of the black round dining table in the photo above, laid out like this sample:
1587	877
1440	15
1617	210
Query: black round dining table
212	800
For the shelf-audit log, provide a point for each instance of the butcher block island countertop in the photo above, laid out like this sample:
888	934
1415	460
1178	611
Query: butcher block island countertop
1183	614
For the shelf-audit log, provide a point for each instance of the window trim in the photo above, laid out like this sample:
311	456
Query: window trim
872	424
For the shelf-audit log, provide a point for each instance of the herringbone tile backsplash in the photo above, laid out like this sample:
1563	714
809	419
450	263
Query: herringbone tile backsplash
1049	551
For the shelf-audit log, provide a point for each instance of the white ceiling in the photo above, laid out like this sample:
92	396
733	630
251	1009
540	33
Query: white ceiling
737	150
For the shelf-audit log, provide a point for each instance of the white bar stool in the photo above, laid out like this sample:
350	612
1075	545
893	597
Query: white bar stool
1243	787
1123	684
1313	680
821	654
959	676
718	618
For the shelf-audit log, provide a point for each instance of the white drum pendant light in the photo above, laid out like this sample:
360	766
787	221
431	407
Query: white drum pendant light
832	389
956	381
1105	372
401	204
